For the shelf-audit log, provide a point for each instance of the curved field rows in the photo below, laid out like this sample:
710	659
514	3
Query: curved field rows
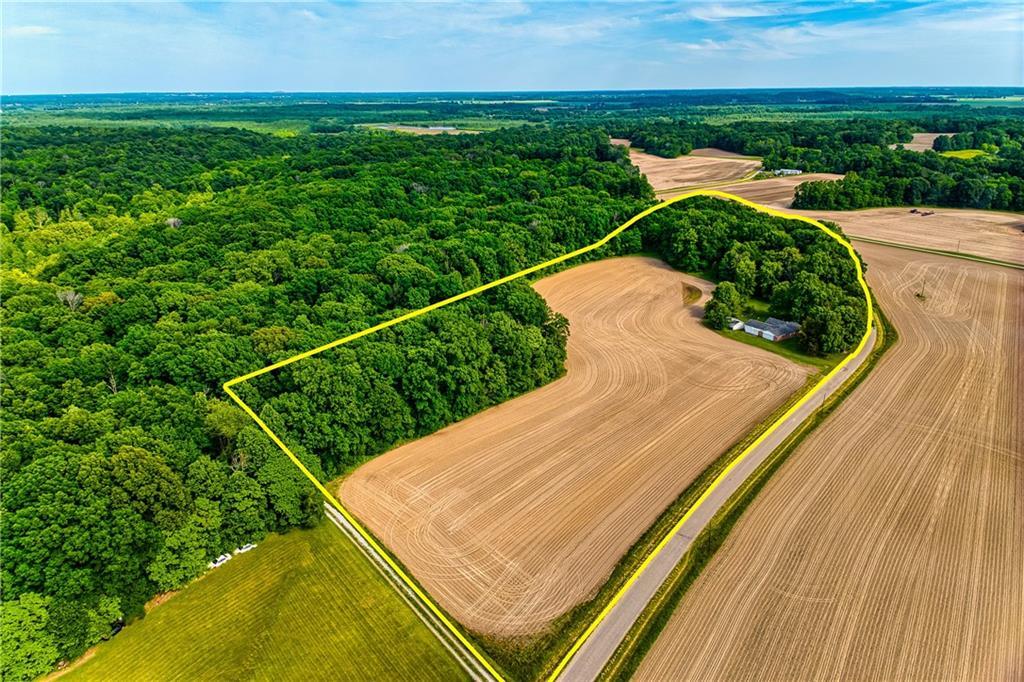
692	169
890	546
513	516
775	192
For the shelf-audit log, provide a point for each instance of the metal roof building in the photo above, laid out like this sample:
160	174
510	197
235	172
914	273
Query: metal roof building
772	329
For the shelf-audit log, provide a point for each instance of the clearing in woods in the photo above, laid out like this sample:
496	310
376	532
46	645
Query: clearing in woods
890	543
699	167
921	142
515	515
305	605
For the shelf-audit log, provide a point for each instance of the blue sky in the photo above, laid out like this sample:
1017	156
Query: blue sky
522	45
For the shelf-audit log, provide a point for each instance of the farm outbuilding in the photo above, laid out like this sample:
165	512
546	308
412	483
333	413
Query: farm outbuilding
772	329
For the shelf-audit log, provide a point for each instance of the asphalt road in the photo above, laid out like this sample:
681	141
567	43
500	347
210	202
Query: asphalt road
596	651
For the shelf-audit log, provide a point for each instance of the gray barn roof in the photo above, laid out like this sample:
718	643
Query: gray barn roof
776	326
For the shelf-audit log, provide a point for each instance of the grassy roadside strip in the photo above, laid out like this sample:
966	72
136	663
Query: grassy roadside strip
652	620
940	252
535	656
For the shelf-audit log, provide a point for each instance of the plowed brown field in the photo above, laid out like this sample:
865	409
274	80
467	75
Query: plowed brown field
515	515
922	141
890	546
777	192
691	170
982	233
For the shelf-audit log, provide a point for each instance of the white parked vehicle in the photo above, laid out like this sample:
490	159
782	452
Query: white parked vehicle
220	561
245	548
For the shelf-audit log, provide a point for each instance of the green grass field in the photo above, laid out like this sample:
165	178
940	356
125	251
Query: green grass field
964	153
306	605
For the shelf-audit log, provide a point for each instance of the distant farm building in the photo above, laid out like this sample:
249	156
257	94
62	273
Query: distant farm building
788	171
772	329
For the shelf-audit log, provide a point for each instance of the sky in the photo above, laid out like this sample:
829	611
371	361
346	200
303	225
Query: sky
97	47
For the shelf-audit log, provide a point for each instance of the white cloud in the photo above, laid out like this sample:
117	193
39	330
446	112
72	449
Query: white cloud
30	31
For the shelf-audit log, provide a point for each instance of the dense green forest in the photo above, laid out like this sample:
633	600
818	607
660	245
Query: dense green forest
142	268
877	174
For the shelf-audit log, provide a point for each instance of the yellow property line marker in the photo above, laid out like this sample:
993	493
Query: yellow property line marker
333	501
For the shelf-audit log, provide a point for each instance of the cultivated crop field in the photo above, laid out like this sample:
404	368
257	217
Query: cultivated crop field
699	167
306	605
513	516
775	192
890	544
983	233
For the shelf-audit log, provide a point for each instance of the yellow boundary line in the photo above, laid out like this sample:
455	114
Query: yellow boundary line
522	273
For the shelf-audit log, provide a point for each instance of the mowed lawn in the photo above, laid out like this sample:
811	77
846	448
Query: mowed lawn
305	605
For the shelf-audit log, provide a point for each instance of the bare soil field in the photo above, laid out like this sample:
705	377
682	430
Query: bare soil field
890	545
715	152
692	170
776	192
982	233
515	515
421	130
921	141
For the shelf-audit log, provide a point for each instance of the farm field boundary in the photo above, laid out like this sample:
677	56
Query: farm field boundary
394	565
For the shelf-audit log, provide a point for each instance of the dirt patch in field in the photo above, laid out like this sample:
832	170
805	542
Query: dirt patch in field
890	544
513	516
921	142
621	142
690	170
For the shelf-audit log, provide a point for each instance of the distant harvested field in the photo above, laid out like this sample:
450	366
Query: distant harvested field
306	605
692	170
717	153
981	233
777	192
513	516
890	545
922	141
421	130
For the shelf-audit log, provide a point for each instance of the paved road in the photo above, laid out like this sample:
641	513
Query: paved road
476	672
591	658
